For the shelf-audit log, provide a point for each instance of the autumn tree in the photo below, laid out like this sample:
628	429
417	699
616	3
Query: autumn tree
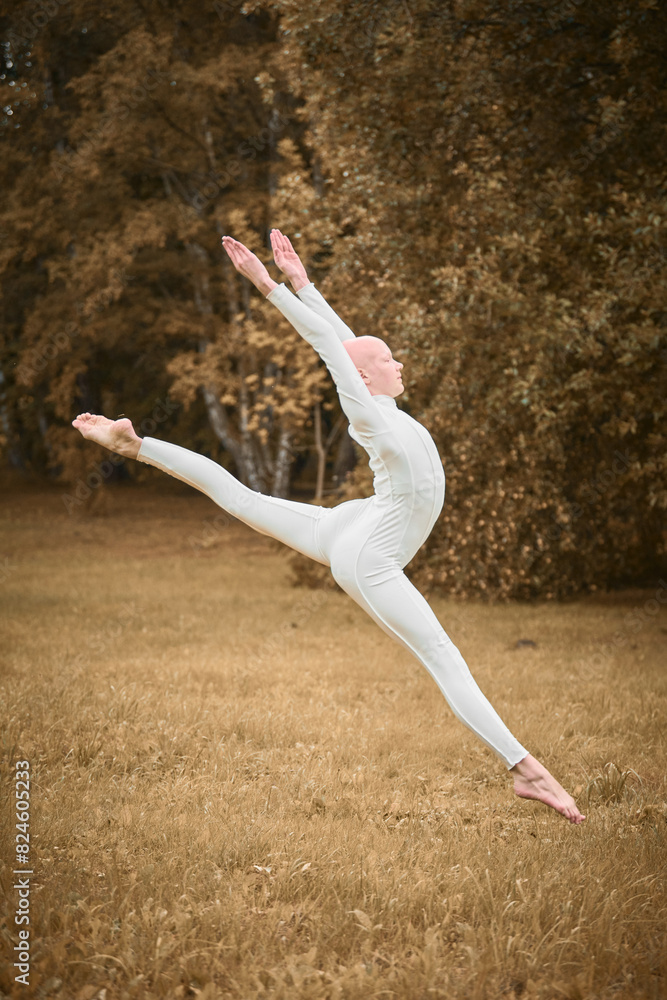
481	184
156	135
497	173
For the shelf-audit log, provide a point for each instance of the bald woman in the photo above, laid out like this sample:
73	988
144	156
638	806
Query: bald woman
366	543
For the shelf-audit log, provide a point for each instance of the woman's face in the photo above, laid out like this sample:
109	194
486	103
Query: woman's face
376	365
385	374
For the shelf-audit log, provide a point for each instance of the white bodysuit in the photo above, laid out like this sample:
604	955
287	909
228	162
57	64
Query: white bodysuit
366	543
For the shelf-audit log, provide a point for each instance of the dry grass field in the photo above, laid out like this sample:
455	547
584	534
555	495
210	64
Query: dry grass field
241	789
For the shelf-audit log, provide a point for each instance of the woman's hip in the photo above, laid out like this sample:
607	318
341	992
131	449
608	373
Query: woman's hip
374	531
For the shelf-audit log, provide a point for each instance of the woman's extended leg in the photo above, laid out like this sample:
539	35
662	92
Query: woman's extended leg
385	593
405	614
288	521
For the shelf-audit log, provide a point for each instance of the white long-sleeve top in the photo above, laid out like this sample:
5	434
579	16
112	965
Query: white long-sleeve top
402	454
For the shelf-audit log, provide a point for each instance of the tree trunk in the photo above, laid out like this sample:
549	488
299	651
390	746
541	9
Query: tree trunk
240	450
13	451
256	465
345	459
322	447
282	463
217	415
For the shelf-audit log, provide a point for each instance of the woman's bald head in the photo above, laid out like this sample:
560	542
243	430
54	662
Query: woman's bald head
372	359
364	350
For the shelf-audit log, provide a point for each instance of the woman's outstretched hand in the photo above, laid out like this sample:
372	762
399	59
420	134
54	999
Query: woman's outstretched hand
248	264
288	260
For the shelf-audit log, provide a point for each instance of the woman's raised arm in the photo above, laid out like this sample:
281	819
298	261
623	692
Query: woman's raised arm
355	398
289	262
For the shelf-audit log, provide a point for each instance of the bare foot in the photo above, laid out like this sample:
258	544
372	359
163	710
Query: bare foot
116	435
248	264
533	781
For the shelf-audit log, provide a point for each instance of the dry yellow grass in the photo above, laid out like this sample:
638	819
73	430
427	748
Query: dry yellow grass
245	790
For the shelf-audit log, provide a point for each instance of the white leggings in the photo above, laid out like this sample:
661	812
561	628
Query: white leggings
366	543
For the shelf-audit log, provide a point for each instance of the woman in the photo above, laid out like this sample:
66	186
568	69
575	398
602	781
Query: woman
368	542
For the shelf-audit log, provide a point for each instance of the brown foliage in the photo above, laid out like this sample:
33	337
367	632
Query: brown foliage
498	176
482	186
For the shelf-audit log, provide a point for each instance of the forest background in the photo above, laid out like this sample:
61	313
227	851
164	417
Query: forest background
481	184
